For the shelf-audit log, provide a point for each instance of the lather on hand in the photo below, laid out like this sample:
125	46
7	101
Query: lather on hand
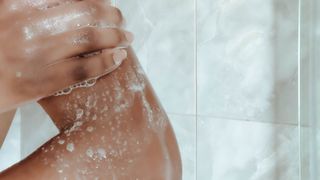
43	43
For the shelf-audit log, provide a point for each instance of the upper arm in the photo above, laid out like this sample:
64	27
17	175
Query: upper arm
5	122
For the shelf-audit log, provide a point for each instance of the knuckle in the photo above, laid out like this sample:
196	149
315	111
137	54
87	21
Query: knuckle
95	8
90	7
113	14
91	34
118	36
87	6
118	15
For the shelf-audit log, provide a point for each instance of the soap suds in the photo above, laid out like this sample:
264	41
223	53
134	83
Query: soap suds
91	102
79	113
89	153
94	117
70	147
101	153
61	141
75	127
90	129
136	87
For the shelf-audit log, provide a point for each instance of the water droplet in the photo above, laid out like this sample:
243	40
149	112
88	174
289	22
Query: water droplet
90	102
70	147
61	141
90	129
91	82
67	90
101	153
18	74
79	113
89	153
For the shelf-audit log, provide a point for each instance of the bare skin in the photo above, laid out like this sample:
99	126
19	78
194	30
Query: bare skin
116	129
5	122
42	41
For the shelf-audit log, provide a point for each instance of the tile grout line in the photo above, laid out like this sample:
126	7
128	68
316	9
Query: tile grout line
313	88
196	79
299	90
232	119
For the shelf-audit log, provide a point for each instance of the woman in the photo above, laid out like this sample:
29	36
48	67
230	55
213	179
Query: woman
115	129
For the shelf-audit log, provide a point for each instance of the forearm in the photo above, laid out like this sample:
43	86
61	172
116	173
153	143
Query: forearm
113	129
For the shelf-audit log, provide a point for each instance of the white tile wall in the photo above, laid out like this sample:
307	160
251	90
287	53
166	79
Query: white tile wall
248	90
165	43
248	59
37	128
185	130
239	150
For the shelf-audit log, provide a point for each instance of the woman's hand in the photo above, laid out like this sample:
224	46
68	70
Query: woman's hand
43	43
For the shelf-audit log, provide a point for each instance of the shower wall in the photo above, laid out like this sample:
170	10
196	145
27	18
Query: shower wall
165	44
310	88
247	90
226	71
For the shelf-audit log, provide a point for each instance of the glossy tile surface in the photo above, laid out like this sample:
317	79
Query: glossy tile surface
165	40
247	56
37	128
240	150
185	129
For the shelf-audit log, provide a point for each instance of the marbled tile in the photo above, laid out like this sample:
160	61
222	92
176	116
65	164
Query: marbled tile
285	47
310	154
165	42
185	131
33	117
10	150
247	56
309	88
307	158
246	150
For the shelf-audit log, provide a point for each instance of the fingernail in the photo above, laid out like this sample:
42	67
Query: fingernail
119	55
129	36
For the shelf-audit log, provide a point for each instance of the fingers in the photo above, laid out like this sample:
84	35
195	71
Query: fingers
87	12
71	17
72	71
22	5
83	41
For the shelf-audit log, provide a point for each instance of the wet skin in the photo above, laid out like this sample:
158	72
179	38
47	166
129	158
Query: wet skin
116	129
42	40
